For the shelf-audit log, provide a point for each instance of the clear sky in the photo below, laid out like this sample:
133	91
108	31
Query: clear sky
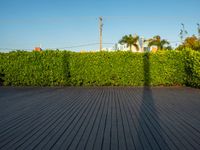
65	23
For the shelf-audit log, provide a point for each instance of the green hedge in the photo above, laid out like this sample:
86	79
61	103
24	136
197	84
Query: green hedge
127	68
59	68
48	68
192	65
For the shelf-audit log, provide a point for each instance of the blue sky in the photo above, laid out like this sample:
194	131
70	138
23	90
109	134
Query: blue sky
62	23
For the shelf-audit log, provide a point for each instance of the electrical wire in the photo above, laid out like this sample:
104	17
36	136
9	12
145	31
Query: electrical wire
70	47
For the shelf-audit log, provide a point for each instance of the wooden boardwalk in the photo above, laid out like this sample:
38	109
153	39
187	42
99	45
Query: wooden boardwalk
100	118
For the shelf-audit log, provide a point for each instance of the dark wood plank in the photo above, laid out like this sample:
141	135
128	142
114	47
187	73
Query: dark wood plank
140	118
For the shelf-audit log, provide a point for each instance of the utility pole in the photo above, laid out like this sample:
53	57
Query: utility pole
100	29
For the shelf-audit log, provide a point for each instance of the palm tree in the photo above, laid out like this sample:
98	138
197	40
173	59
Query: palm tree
156	40
130	41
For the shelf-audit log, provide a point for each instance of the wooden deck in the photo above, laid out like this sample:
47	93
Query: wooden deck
100	118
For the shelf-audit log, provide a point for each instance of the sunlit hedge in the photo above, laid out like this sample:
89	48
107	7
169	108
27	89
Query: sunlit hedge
46	68
127	68
61	68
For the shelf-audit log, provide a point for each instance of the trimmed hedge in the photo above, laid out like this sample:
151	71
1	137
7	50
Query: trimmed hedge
127	68
48	68
192	63
59	68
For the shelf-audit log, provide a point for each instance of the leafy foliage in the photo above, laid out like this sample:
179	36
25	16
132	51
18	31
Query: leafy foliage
58	68
130	41
192	60
183	32
190	42
160	43
198	29
126	68
34	68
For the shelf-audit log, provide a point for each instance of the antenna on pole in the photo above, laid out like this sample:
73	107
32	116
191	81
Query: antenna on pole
100	30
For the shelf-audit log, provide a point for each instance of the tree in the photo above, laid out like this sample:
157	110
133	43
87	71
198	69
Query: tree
183	33
198	29
190	42
157	41
130	41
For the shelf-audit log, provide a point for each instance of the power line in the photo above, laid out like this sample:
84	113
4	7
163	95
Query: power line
84	45
14	49
65	47
75	46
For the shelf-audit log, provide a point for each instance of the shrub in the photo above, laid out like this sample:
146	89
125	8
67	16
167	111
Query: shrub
167	68
127	68
192	65
34	68
58	68
192	42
